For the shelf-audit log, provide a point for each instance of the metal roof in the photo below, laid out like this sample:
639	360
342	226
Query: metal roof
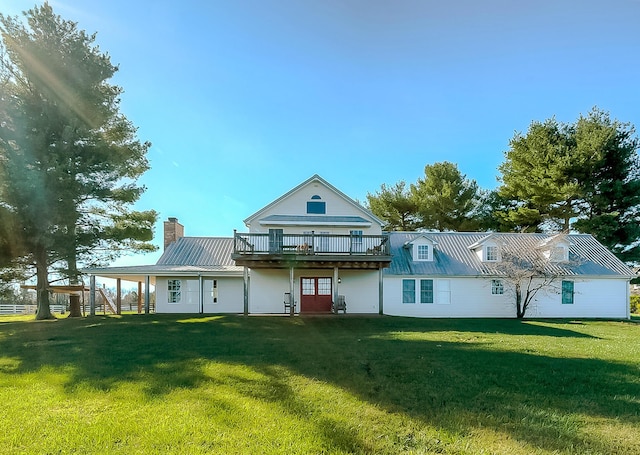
199	252
453	254
187	256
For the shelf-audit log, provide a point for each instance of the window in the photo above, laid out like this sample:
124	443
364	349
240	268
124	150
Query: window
423	252
497	287
567	292
308	286
214	291
426	291
491	253
356	241
316	206
558	254
408	291
444	292
324	286
173	288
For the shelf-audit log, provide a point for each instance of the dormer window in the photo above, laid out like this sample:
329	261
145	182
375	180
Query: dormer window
558	254
491	253
421	248
555	249
423	253
487	249
316	206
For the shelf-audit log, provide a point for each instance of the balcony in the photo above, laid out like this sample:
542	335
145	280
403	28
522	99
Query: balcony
278	250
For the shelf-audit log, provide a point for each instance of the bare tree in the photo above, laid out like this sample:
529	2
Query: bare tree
526	265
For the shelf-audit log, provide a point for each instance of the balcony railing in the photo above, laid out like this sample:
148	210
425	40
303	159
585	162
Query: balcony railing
275	243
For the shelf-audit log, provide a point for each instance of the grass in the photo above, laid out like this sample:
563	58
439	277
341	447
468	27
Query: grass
228	384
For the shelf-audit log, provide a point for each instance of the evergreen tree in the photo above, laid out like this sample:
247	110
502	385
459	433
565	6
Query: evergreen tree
395	206
583	176
446	199
69	160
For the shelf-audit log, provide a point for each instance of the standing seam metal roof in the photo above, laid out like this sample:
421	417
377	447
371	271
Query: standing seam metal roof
199	251
453	256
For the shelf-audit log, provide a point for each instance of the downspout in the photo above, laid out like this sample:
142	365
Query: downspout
380	292
245	277
628	299
200	296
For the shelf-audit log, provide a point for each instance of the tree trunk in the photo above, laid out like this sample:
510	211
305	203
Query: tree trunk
42	284
75	309
519	308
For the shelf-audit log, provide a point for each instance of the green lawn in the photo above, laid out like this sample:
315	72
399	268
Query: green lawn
228	384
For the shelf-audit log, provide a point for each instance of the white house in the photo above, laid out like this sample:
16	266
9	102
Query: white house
314	246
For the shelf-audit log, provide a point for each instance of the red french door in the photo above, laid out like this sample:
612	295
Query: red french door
315	295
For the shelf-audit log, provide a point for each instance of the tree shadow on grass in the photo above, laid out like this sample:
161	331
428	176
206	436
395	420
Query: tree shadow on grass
451	385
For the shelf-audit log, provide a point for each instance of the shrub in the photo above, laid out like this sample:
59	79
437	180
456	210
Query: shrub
635	303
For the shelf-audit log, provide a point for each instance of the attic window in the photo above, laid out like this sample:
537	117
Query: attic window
315	206
423	253
558	254
491	253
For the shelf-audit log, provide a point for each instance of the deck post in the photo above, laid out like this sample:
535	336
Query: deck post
292	299
119	296
92	295
335	285
245	276
139	297
147	294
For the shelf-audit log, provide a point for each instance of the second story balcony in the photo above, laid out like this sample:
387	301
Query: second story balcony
311	249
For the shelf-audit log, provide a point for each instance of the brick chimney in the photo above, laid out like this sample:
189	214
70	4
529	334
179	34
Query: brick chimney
172	231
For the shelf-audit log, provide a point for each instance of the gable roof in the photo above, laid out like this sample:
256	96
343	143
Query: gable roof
421	236
453	255
314	178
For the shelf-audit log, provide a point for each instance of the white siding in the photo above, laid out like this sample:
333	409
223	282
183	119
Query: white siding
472	298
360	289
267	288
230	295
595	298
468	297
296	204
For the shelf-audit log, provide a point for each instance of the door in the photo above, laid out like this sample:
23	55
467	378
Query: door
315	295
275	241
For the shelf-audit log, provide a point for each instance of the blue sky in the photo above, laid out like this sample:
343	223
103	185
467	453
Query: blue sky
245	99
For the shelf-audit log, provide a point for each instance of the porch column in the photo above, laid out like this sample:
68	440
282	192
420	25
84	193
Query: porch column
335	285
380	293
139	297
245	277
292	299
147	296
118	296
92	295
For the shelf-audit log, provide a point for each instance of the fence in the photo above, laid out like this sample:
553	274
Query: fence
6	308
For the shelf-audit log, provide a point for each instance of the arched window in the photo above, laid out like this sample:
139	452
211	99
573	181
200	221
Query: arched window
316	206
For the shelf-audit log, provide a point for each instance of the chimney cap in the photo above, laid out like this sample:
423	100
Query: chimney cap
173	219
